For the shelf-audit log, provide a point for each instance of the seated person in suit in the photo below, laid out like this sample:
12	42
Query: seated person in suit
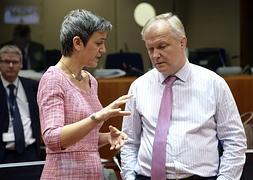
19	117
33	52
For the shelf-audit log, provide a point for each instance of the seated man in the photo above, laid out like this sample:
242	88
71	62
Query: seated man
19	122
33	52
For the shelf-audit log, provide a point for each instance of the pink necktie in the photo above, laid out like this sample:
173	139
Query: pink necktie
158	170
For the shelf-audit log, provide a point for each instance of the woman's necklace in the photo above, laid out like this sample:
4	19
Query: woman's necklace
79	77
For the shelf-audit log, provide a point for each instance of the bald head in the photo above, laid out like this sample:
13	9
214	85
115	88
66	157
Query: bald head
164	22
158	28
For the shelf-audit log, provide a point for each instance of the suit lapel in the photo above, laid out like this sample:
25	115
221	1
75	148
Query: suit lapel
4	113
29	95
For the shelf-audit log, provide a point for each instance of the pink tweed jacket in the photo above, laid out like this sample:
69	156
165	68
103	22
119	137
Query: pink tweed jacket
61	103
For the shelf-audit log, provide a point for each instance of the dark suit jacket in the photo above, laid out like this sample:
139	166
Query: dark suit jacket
37	55
30	87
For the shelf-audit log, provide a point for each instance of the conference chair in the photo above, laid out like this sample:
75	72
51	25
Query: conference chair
52	57
211	58
132	63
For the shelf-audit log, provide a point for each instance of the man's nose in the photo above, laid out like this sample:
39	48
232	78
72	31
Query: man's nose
11	64
156	53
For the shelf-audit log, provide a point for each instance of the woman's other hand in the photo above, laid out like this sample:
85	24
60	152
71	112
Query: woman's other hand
116	138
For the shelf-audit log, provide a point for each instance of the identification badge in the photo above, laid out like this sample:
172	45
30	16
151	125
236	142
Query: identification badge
8	137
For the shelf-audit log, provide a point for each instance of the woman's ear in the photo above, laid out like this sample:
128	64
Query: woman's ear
77	43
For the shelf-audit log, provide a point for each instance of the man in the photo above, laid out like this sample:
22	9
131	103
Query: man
202	114
23	106
33	52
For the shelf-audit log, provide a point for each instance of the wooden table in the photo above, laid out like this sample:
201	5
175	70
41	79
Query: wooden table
240	85
111	89
242	90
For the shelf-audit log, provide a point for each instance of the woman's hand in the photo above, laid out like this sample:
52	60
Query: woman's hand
113	109
116	138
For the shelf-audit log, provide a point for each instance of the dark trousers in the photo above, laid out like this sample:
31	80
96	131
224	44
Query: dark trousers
195	177
30	154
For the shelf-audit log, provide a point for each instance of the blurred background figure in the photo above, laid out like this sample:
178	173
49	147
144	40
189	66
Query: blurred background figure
33	52
19	122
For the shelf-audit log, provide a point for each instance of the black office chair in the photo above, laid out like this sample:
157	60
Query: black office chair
247	173
52	57
211	58
132	63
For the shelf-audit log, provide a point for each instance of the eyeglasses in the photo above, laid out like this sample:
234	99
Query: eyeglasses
8	62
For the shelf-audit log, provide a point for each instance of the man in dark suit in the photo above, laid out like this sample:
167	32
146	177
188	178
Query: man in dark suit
25	91
34	56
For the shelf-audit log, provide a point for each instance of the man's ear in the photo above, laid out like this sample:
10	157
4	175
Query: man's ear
21	64
77	43
183	42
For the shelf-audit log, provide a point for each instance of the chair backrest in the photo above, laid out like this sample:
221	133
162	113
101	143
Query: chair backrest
248	127
132	63
247	173
52	57
211	58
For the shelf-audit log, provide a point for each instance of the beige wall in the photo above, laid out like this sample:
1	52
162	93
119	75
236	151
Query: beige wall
208	23
214	23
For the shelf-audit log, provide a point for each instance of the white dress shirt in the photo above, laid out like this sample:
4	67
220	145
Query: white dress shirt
203	111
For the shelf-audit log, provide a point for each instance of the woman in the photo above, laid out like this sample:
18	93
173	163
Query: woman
70	112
